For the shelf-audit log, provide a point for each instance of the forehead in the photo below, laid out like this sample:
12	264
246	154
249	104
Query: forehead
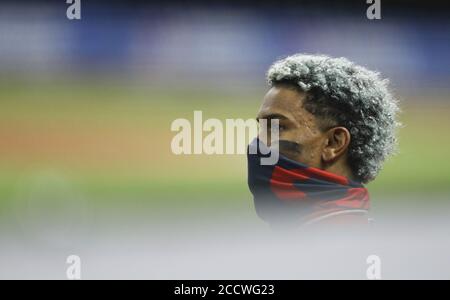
284	101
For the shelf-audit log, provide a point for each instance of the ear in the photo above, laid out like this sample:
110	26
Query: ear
337	141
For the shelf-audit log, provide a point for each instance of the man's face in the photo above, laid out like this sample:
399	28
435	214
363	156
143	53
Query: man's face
300	138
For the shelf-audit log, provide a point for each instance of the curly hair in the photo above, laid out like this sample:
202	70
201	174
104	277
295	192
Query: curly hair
342	93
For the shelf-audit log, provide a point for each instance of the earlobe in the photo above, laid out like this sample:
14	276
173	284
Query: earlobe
327	155
327	152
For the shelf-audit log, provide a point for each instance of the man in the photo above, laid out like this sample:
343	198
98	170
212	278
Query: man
337	125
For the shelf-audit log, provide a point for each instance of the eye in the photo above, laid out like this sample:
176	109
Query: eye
281	127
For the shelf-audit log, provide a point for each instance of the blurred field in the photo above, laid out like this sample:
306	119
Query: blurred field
111	144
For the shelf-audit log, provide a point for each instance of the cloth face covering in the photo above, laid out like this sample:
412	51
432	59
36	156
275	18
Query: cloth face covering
291	193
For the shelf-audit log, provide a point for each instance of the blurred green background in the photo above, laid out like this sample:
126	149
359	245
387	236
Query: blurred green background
111	144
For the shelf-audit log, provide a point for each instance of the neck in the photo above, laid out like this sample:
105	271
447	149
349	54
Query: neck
340	168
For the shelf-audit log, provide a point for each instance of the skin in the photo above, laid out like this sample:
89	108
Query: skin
323	148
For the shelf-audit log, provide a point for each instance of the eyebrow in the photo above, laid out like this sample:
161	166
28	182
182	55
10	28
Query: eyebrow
271	116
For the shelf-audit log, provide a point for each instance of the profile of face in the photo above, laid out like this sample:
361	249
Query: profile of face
303	137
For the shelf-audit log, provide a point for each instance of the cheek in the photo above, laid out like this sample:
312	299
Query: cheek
301	135
313	151
311	147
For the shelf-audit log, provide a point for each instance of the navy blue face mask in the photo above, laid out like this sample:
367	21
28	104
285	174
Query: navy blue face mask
291	193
